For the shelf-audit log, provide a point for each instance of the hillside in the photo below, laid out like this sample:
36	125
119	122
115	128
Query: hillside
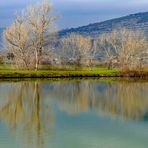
137	21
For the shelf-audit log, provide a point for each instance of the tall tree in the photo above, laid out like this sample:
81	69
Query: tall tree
40	23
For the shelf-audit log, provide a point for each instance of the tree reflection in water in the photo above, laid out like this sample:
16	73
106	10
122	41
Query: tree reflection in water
28	106
126	99
23	110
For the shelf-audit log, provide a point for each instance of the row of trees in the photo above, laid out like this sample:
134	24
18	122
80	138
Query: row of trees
31	40
125	48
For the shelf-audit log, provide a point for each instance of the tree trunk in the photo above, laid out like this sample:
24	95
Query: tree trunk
36	61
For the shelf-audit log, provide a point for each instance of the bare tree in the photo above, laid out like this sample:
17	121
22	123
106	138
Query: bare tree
125	48
77	49
31	34
16	42
40	23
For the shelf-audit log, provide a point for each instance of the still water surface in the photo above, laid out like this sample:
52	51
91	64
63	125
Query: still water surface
74	114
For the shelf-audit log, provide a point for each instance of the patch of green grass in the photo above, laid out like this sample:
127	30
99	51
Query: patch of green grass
67	72
6	66
84	72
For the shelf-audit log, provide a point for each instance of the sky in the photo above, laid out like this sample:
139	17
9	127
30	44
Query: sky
74	13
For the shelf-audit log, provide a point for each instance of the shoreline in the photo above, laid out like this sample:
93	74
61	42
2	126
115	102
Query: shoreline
14	74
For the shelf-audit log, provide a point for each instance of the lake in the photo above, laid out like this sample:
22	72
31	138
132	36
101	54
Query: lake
74	114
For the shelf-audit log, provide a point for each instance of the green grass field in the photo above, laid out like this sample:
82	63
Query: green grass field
8	71
66	71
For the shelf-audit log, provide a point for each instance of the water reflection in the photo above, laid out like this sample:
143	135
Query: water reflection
127	99
21	108
29	107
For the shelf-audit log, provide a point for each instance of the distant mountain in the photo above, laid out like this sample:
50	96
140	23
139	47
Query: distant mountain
137	21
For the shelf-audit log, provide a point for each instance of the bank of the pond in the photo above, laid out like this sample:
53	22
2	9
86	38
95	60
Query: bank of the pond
69	74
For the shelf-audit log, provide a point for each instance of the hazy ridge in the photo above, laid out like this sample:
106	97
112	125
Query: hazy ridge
138	21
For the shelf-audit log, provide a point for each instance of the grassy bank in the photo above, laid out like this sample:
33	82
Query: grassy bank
7	71
55	73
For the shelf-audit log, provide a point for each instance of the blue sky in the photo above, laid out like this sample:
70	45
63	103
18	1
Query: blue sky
75	13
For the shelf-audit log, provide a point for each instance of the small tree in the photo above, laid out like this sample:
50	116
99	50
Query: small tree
17	43
75	48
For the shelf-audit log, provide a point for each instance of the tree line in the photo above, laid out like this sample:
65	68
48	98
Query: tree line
32	40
